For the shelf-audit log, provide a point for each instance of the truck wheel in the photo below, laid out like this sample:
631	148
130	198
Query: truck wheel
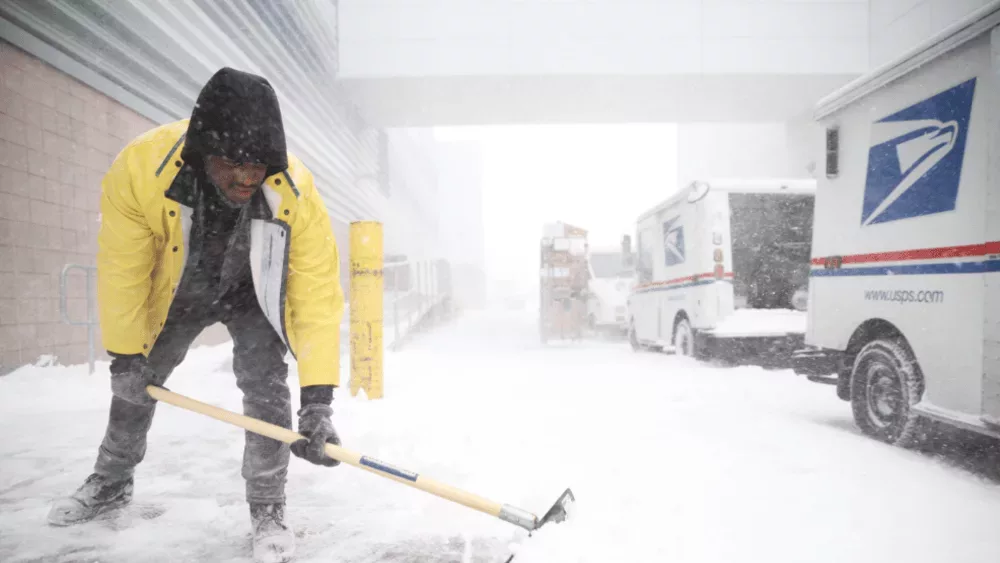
633	338
684	339
885	383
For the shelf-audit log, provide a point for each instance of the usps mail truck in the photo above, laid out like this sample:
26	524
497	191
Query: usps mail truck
723	266
612	276
904	300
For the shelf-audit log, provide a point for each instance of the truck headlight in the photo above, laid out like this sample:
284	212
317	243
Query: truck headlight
800	299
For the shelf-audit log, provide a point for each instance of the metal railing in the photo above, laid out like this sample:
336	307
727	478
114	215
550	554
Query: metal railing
91	322
413	291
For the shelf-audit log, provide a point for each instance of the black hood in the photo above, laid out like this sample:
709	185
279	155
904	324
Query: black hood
237	116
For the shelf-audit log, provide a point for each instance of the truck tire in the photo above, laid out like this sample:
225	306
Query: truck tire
885	382
684	339
844	386
633	338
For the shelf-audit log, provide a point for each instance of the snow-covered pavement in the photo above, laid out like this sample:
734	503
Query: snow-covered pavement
670	460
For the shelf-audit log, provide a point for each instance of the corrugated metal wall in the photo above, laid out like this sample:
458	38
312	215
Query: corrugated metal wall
154	55
145	62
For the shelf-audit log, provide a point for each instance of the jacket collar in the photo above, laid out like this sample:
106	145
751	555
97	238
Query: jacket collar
184	187
259	209
186	190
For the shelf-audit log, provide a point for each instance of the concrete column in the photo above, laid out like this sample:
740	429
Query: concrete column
721	150
805	141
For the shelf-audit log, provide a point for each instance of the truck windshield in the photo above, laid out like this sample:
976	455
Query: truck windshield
608	265
771	235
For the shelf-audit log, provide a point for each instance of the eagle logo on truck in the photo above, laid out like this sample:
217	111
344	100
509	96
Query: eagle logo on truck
915	157
673	242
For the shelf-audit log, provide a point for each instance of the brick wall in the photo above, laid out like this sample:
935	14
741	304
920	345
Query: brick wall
57	138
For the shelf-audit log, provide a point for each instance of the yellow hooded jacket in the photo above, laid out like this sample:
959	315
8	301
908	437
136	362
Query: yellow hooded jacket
143	243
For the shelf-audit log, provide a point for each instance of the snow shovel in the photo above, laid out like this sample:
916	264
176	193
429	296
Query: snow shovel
505	512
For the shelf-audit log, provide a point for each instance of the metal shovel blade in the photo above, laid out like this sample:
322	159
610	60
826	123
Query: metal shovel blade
558	511
555	514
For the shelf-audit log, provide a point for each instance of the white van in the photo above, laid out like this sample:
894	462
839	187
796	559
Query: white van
904	300
724	265
611	280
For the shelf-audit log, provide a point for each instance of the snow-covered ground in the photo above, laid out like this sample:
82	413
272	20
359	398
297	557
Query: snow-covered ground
670	460
762	322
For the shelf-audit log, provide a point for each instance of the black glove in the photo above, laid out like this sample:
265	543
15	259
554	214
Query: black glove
130	374
316	426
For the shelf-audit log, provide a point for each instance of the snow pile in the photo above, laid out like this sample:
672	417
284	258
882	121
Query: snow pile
761	322
670	460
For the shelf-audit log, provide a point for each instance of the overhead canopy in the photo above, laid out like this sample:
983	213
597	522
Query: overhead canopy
950	38
154	55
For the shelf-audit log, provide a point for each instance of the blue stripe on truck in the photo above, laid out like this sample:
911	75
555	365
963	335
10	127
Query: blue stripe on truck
913	269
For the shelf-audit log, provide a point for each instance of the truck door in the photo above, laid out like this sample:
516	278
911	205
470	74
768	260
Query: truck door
645	308
991	331
991	280
991	351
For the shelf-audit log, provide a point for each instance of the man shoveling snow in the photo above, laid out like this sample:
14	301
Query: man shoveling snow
210	220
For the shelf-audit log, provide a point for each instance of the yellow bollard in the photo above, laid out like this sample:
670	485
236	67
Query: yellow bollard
366	308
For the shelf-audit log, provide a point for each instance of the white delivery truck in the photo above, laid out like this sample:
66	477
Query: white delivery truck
723	269
612	276
904	300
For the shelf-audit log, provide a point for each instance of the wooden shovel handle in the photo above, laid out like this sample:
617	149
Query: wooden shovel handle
343	455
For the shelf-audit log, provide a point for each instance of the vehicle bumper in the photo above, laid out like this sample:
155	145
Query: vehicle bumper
818	364
772	350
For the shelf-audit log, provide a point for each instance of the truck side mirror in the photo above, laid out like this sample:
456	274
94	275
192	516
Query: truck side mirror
627	259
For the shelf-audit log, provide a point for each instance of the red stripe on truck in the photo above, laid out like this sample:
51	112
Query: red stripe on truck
964	251
693	278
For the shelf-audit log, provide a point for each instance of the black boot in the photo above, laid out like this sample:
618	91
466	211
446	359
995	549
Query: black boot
97	495
273	539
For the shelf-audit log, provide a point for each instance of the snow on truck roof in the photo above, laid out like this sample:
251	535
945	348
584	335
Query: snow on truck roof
739	185
952	37
788	185
605	249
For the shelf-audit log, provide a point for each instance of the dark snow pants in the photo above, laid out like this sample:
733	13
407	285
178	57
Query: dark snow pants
261	373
